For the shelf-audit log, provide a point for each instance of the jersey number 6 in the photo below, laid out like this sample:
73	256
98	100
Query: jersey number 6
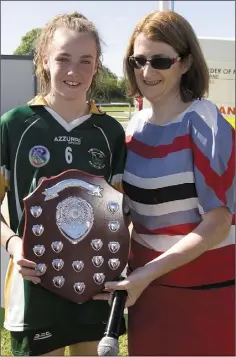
68	155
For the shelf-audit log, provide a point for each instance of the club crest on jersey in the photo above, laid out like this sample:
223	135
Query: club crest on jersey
97	158
39	156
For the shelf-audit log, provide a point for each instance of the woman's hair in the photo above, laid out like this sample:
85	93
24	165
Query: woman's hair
76	22
174	30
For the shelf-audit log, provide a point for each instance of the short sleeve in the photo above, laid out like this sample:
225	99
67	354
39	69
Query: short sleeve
118	161
213	144
5	157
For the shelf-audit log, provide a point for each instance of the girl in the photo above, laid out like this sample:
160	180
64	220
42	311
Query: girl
58	130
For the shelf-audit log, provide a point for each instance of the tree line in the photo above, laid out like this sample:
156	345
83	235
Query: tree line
108	87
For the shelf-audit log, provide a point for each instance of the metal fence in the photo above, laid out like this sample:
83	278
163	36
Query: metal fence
117	110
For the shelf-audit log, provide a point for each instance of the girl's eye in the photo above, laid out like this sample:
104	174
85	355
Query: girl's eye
62	59
85	62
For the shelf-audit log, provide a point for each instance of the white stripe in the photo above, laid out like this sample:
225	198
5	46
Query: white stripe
16	304
162	243
18	206
67	126
163	208
116	179
159	182
108	145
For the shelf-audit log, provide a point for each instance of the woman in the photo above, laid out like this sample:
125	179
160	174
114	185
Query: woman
179	185
58	130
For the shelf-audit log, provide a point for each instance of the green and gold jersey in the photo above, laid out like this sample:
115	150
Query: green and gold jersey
37	143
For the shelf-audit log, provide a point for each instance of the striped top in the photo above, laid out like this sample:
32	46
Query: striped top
175	173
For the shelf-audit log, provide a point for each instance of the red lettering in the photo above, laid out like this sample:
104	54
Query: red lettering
227	110
222	110
231	111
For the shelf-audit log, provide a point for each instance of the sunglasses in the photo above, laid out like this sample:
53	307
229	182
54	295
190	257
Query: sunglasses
156	62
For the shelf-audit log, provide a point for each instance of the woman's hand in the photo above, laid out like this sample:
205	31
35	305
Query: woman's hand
134	284
25	267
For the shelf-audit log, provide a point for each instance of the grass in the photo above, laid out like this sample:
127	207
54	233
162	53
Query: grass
1	317
5	343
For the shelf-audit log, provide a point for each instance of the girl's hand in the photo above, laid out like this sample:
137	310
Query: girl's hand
25	267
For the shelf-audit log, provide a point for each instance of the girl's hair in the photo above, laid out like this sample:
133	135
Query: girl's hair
76	22
175	30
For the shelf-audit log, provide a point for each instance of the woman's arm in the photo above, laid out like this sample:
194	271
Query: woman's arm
213	229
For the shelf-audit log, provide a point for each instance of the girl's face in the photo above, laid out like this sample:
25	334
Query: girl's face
71	62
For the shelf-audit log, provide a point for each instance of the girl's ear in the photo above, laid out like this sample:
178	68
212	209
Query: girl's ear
45	63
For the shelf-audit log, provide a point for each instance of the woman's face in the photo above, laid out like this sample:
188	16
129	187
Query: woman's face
72	62
157	84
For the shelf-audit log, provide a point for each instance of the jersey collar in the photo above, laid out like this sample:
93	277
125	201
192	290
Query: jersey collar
40	100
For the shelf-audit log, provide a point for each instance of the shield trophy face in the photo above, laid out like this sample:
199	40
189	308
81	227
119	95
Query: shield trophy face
74	218
75	231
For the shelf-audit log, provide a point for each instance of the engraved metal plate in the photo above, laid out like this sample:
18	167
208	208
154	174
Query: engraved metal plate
112	207
114	226
74	218
114	247
79	287
52	192
57	264
41	267
57	246
39	250
99	278
78	265
36	211
114	263
97	261
38	229
58	281
96	244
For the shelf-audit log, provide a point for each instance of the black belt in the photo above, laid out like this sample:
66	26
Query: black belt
204	287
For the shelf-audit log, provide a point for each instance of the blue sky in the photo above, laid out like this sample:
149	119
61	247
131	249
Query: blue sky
115	21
